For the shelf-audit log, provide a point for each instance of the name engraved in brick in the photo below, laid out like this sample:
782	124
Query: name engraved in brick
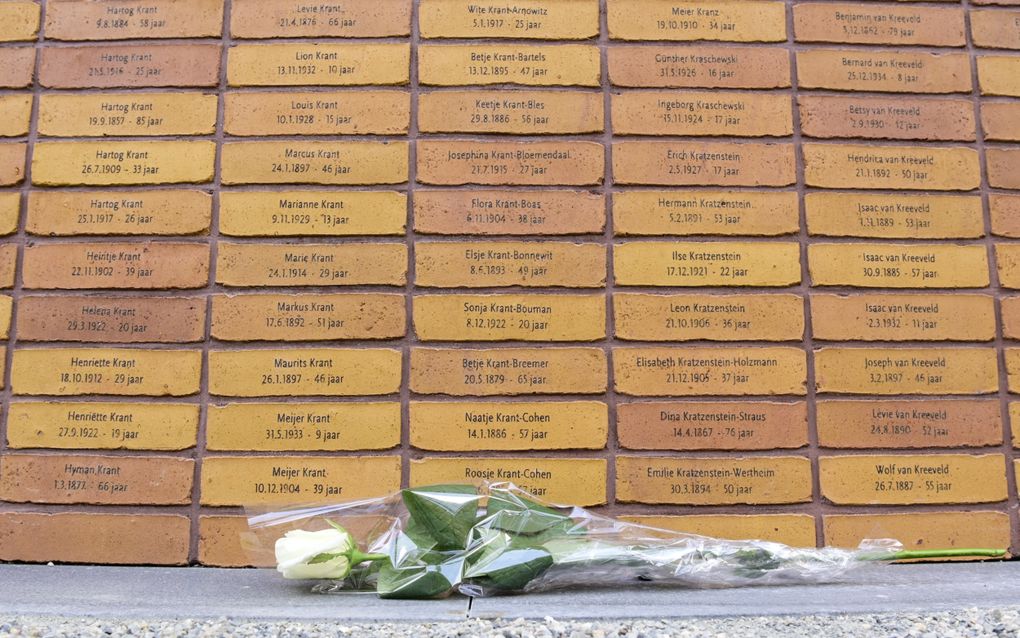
311	264
122	163
307	317
701	113
322	64
892	216
127	114
111	319
314	162
895	167
15	113
304	372
704	163
149	212
517	212
283	427
701	67
884	71
320	113
644	317
102	426
142	265
885	317
321	213
903	479
514	317
127	20
452	162
114	66
561	20
946	370
662	263
687	21
863	24
657	212
575	480
927	530
508	371
909	424
836	116
510	112
527	64
898	265
736	425
713	481
486	264
114	371
380	18
693	371
526	425
272	480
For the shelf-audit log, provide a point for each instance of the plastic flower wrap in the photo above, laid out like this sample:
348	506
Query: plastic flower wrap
429	542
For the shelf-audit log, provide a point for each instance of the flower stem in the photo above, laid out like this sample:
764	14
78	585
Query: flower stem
358	557
938	553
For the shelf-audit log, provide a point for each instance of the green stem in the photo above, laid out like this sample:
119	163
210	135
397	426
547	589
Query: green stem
358	557
940	553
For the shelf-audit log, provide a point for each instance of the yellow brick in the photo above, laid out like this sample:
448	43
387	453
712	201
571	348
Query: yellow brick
898	167
149	212
307	162
796	530
320	113
676	113
326	213
662	263
644	317
106	426
120	371
912	479
671	213
304	372
122	163
728	21
510	317
525	112
12	163
543	65
888	216
126	114
999	75
311	264
280	427
561	20
898	265
927	530
307	317
19	21
10	210
15	112
565	481
887	317
323	64
906	370
509	263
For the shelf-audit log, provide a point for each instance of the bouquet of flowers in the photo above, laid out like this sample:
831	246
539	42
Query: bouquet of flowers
429	542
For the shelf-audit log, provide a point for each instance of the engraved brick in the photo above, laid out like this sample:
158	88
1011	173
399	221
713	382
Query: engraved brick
1012	357
127	20
117	480
1003	167
115	371
281	427
995	29
704	163
520	212
898	265
311	264
320	64
528	64
713	481
712	425
314	162
10	211
15	112
716	113
6	311
105	426
123	114
895	479
150	212
836	116
304	372
1001	121
1005	214
510	112
324	213
19	21
98	538
562	20
886	317
510	317
906	370
704	67
693	371
908	424
881	24
454	162
271	480
644	317
999	75
222	540
508	371
727	21
795	530
1007	259
1014	421
928	530
897	167
531	264
1011	317
651	212
12	163
575	481
143	265
380	18
527	426
662	263
320	113
122	163
111	66
886	71
111	319
16	67
8	263
307	317
894	216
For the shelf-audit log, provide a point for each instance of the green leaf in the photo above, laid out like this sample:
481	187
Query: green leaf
444	513
511	512
509	570
755	563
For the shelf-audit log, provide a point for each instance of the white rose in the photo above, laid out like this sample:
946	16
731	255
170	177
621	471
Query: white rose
298	547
